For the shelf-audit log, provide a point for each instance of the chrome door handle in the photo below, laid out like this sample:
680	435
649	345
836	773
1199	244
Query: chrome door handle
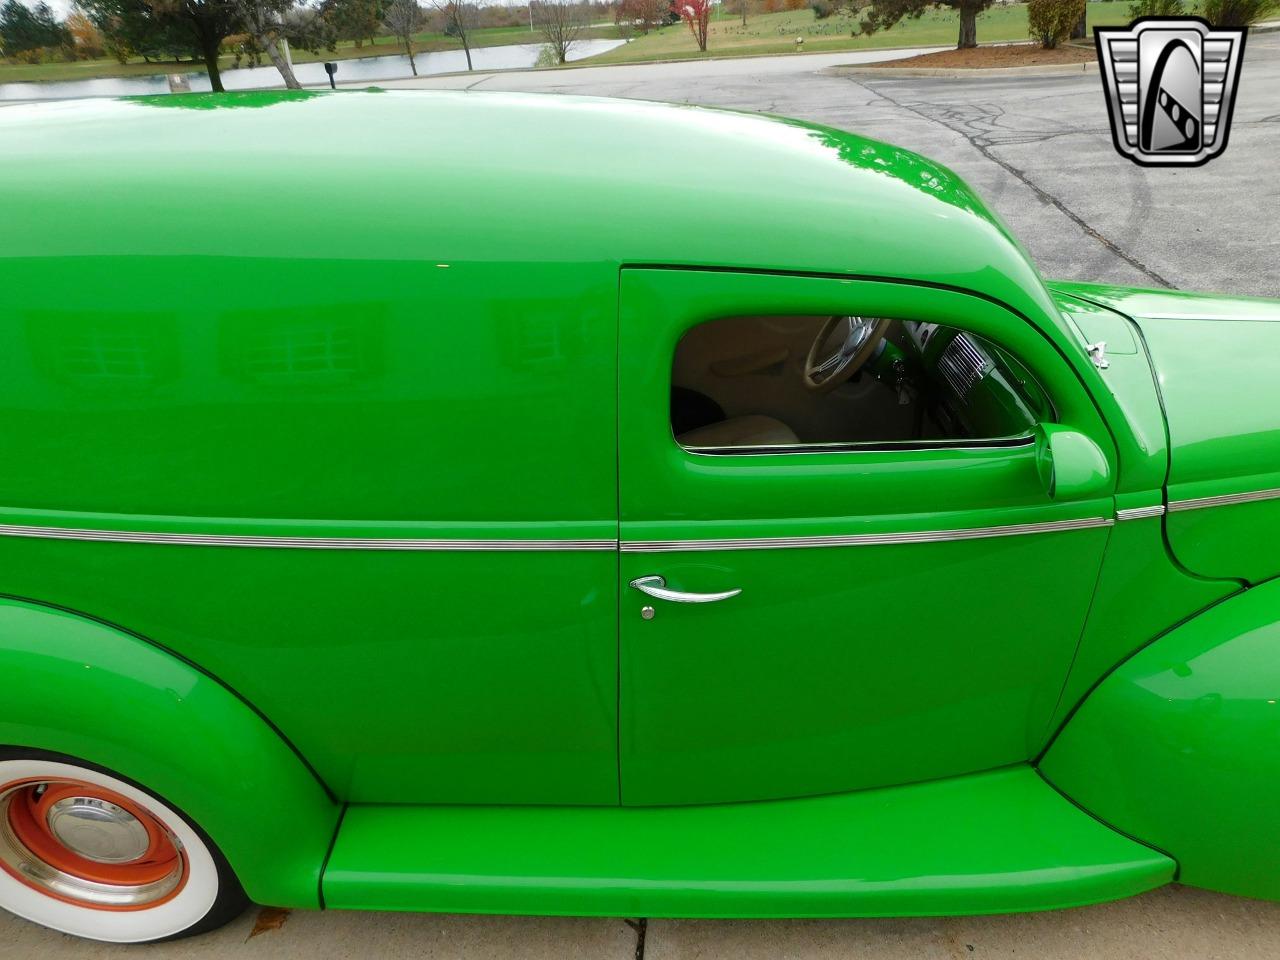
657	587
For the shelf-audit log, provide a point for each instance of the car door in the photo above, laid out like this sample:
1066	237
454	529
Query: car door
904	613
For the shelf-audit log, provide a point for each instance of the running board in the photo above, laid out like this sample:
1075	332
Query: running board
995	842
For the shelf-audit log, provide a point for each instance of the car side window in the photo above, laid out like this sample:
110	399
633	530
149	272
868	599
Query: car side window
789	384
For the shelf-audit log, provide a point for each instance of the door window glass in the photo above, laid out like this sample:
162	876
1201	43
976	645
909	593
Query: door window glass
807	383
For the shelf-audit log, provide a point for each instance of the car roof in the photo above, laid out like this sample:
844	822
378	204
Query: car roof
454	175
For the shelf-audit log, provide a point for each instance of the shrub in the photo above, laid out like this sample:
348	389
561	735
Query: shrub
822	8
118	48
1051	21
85	36
1238	13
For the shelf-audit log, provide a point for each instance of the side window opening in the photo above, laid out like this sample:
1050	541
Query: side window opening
787	384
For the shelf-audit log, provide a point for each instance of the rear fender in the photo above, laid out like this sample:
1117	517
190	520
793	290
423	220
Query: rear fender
79	687
1179	747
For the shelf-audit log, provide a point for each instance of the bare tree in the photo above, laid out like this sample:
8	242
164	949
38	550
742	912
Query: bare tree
404	18
459	18
264	22
561	25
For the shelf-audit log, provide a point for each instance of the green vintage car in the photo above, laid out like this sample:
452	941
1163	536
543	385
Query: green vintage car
516	504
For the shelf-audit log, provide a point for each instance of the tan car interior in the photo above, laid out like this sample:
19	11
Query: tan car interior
741	382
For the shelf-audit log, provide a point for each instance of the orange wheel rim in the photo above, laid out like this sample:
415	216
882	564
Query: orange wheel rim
88	845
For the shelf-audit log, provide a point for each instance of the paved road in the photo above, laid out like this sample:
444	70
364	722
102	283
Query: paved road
1038	148
1040	151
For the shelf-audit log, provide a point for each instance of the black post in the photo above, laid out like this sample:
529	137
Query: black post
331	68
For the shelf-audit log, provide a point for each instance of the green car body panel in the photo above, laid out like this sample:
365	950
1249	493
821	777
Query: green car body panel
993	842
1224	469
1179	746
88	690
345	477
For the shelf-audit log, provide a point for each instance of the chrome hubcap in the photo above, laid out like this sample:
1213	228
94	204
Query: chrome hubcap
98	830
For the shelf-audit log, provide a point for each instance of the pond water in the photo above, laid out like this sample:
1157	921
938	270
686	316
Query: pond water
516	56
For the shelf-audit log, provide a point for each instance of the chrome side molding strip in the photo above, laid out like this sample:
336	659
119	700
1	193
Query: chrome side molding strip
862	539
519	546
302	543
1224	500
629	546
1140	513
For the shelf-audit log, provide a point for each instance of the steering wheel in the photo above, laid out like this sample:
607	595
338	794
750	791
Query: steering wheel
859	343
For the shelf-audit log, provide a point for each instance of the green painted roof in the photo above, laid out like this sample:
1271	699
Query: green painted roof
454	176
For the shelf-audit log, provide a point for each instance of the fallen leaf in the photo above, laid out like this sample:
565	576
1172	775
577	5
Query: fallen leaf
269	918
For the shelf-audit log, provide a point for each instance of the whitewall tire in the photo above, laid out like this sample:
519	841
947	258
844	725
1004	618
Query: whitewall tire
85	852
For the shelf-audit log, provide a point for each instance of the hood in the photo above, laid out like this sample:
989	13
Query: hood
1216	362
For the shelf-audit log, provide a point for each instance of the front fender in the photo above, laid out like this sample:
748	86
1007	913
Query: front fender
76	686
1180	746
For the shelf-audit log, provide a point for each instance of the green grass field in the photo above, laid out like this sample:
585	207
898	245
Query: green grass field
769	33
776	33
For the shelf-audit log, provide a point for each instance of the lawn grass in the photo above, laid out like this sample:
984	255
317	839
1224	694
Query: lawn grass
777	32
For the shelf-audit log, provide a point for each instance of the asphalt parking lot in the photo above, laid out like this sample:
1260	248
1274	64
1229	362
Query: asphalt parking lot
1039	150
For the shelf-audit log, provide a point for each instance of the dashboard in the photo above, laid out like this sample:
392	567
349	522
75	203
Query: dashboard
979	389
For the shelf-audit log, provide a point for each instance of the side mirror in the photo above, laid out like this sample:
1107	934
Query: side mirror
1070	465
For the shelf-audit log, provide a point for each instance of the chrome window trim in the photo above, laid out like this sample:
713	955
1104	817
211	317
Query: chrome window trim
1218	317
862	446
862	539
1140	513
1224	500
300	542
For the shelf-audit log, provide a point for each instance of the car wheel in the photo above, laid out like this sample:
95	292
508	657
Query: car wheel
88	853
